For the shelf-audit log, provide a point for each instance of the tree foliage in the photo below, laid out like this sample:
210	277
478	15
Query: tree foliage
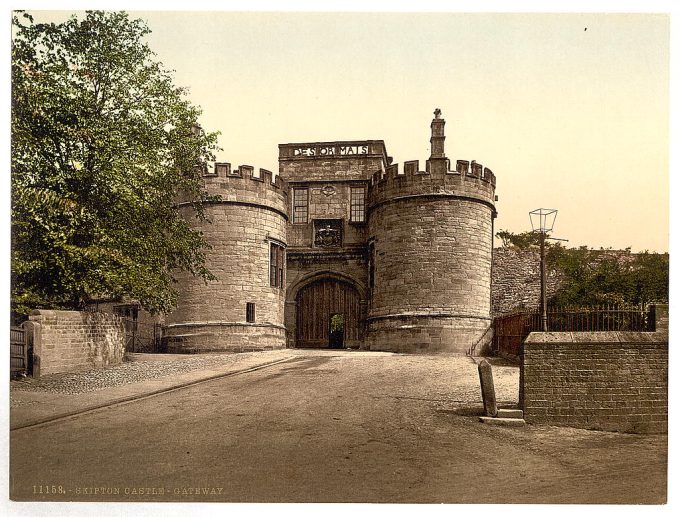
102	144
520	240
591	276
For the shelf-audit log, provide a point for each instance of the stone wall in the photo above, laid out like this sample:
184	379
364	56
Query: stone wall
327	200
221	336
429	334
67	341
147	326
610	381
516	280
431	256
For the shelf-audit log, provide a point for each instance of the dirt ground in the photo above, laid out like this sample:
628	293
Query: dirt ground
333	426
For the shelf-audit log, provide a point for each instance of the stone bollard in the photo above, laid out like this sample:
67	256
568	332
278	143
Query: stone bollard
488	392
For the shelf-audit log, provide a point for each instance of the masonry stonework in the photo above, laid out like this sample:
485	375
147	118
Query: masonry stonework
67	341
516	281
377	255
432	275
432	231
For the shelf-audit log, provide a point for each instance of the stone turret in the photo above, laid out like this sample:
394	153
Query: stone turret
430	245
243	308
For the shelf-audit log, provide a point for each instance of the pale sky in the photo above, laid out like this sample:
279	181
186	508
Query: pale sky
570	111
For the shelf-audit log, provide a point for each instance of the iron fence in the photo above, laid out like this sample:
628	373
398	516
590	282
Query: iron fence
142	337
511	330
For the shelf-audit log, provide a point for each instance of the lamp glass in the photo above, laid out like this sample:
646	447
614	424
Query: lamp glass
543	219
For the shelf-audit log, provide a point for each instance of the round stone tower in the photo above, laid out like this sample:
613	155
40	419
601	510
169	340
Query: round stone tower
243	308
430	245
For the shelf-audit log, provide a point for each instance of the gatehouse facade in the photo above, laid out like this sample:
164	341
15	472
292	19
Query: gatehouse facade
343	249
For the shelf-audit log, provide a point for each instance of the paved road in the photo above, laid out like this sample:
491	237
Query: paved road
331	427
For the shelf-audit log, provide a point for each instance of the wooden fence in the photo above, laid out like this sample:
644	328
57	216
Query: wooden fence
18	351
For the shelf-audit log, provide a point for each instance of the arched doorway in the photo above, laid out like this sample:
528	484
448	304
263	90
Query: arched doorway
327	315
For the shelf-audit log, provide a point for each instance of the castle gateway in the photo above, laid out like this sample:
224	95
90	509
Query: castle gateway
344	249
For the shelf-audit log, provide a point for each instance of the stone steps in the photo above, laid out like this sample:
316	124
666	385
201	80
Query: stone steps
506	417
510	413
494	420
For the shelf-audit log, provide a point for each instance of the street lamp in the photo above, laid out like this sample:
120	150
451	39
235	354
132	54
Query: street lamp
542	222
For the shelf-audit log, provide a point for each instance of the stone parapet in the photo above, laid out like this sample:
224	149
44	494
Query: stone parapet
243	186
328	161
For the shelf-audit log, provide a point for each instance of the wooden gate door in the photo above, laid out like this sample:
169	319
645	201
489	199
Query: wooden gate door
317	303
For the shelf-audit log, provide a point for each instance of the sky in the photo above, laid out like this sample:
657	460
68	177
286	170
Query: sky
570	111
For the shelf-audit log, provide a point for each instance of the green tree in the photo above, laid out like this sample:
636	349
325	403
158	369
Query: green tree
103	143
593	277
520	240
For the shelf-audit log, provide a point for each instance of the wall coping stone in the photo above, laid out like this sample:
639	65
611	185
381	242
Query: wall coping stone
605	337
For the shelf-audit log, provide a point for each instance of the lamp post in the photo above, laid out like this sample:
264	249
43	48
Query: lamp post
542	222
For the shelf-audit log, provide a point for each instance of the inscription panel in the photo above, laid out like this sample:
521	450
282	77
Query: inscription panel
331	150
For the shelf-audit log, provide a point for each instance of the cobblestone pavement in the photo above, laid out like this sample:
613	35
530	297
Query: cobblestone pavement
125	373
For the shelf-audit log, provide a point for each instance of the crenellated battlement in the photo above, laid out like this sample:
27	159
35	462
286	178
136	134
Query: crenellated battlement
222	170
246	185
468	179
464	168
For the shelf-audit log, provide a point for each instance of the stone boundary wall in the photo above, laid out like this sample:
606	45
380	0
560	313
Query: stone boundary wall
609	381
516	280
67	341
